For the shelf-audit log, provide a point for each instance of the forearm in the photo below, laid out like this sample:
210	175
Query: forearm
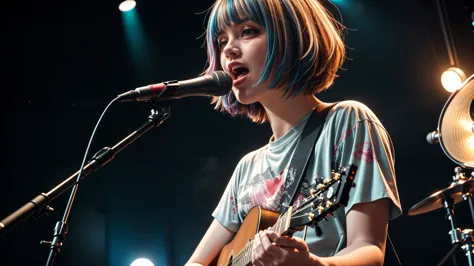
193	264
362	254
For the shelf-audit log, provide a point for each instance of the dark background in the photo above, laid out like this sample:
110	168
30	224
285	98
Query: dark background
63	61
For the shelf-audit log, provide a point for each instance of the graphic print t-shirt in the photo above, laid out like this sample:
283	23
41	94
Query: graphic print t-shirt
352	134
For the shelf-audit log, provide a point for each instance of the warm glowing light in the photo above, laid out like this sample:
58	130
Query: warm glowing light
127	5
452	79
142	262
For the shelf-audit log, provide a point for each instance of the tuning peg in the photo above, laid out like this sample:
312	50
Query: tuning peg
336	176
311	216
312	191
328	204
321	186
320	209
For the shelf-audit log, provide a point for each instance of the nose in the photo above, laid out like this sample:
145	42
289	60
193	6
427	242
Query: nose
231	50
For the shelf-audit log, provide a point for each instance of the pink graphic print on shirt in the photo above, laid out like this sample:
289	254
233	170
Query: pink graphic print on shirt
365	152
344	137
234	205
264	190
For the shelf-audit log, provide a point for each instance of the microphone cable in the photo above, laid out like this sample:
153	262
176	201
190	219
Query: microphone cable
394	251
71	199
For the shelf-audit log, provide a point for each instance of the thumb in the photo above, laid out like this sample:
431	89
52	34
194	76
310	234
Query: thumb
301	244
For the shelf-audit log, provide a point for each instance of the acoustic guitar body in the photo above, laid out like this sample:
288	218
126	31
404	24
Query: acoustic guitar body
256	220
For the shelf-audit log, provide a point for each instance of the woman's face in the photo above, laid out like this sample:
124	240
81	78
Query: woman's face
243	50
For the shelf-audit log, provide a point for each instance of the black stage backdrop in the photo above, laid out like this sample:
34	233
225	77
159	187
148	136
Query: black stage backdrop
63	61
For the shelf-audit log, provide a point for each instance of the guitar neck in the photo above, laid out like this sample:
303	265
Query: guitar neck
244	257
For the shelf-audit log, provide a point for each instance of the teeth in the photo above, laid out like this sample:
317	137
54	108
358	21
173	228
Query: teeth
234	68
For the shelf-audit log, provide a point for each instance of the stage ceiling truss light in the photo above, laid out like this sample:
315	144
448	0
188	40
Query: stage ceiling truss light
452	78
127	5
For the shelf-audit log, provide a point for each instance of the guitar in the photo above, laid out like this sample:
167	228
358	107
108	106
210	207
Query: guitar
329	195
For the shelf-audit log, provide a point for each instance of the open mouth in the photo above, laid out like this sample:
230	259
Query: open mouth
239	71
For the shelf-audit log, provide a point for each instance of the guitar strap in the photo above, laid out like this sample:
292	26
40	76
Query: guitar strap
303	153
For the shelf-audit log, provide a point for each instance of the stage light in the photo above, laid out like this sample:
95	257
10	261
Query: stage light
452	78
127	5
142	262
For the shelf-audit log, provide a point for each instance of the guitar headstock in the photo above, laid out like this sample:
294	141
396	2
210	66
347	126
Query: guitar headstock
329	195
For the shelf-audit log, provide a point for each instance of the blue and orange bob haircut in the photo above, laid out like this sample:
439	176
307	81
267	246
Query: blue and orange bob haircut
304	47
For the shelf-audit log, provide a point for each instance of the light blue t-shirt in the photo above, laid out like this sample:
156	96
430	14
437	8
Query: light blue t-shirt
352	134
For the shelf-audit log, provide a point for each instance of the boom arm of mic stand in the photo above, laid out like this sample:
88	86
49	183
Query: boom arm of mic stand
39	206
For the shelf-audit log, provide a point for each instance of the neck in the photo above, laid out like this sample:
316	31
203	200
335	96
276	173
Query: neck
283	114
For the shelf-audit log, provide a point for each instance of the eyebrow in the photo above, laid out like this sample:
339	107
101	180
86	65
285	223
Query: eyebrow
219	33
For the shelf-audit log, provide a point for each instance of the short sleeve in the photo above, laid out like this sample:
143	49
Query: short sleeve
363	141
226	212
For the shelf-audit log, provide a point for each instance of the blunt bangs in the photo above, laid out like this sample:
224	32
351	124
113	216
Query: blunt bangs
224	14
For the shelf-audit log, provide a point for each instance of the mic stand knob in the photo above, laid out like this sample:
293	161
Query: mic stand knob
60	234
47	210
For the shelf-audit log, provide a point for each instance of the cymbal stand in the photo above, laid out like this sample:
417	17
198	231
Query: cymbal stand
468	196
464	238
460	175
465	243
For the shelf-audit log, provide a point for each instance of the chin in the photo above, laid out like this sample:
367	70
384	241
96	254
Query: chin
243	97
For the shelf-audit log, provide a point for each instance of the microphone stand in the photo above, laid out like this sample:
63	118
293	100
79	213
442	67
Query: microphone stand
39	206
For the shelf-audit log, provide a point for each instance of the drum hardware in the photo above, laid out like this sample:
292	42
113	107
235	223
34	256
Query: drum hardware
455	135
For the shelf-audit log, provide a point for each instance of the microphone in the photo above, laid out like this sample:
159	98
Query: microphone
216	84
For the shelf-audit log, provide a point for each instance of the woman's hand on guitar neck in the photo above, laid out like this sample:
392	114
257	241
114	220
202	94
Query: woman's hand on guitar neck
270	248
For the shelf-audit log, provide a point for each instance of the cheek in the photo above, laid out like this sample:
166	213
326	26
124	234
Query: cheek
221	61
261	52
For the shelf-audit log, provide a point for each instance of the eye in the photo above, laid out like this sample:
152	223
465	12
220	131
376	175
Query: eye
221	43
249	32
